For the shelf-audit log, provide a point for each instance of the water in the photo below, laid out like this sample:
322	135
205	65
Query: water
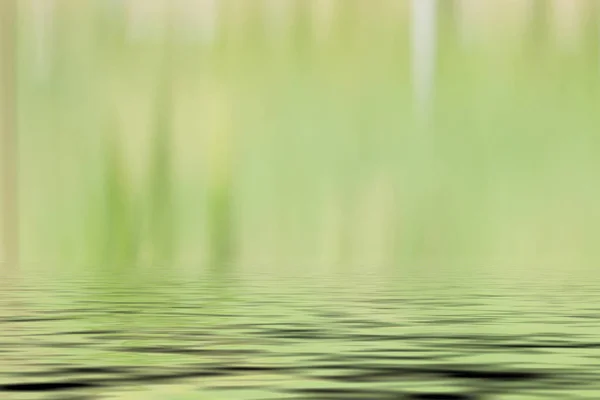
257	337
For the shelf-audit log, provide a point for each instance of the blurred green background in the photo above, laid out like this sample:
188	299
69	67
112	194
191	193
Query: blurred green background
307	137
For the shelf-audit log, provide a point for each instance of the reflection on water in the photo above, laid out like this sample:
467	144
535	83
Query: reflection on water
260	338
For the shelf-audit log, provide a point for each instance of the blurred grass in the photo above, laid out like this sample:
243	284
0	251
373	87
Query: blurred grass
288	150
161	209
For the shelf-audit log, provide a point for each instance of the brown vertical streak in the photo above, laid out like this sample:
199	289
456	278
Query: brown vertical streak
8	131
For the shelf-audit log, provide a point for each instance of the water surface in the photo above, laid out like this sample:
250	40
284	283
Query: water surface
302	338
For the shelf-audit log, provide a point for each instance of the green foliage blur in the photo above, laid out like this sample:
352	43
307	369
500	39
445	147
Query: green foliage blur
294	145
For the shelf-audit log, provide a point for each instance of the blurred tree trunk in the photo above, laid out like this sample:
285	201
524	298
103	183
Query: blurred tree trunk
8	134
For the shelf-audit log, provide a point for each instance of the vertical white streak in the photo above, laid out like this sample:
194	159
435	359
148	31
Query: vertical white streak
423	48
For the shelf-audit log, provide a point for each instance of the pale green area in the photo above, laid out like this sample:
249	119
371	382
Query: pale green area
301	154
